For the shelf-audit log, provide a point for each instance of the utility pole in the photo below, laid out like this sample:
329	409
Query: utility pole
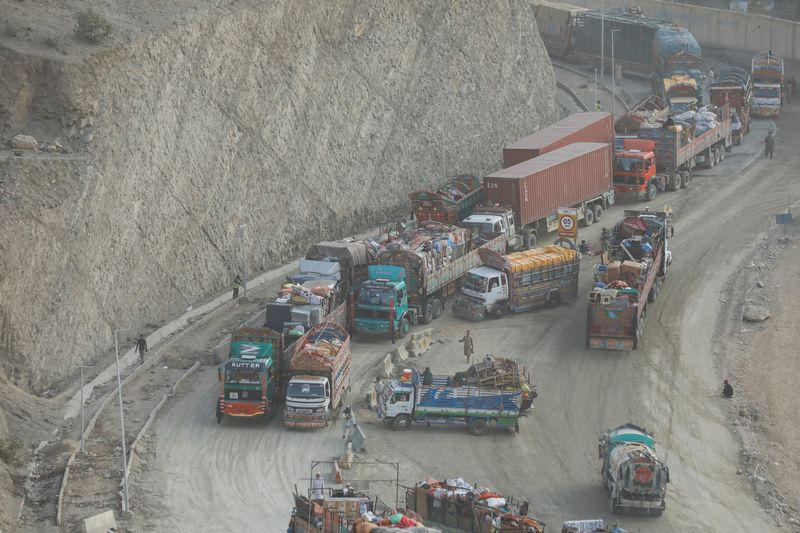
122	428
603	39
613	78
441	131
595	90
244	259
475	153
83	426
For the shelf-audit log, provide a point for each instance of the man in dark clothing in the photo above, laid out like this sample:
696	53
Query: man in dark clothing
427	376
237	283
141	347
583	248
769	145
727	389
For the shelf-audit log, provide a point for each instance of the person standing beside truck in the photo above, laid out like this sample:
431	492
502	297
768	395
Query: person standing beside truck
469	347
769	145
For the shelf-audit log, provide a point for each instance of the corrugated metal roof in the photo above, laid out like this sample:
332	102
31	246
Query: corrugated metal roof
547	160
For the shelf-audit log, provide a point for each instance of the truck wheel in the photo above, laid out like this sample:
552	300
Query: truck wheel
531	239
553	299
613	505
497	312
401	423
588	217
403	329
722	152
598	212
652	191
653	293
565	243
437	308
427	315
478	427
712	158
685	179
656	512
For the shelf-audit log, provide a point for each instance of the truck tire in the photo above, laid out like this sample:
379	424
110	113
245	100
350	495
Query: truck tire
652	191
553	299
403	329
685	179
565	243
598	212
656	512
712	158
497	312
530	238
588	217
427	315
613	504
437	308
478	427
639	330
722	152
401	423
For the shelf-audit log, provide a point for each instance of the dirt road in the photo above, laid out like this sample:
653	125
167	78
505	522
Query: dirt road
203	476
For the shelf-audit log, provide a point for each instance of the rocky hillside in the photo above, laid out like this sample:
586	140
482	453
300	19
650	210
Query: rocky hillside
303	120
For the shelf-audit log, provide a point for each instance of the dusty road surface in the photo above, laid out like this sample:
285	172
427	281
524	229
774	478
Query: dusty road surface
199	475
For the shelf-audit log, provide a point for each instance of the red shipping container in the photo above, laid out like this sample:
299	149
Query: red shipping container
576	128
563	178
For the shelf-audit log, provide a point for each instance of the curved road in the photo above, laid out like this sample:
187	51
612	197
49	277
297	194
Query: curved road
200	476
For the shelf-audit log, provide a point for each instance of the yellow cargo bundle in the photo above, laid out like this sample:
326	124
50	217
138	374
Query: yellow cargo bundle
537	258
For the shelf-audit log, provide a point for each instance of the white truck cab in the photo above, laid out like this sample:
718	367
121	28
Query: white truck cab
308	392
487	285
495	220
395	398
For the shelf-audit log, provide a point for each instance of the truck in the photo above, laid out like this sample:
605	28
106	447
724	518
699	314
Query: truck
595	127
660	159
450	204
518	282
632	472
447	400
639	258
679	90
415	274
556	24
577	175
651	111
766	70
249	382
734	87
317	377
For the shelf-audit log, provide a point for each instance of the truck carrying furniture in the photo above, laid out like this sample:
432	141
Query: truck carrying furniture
734	87
578	175
766	71
679	90
632	472
450	204
464	399
317	377
249	382
639	258
649	112
424	266
578	127
518	282
660	159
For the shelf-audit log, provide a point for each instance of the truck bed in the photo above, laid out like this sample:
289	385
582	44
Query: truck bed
442	397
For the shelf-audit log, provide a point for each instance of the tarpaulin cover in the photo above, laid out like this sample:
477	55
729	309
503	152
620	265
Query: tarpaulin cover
354	251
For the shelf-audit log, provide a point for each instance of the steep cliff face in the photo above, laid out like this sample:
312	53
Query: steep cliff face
301	120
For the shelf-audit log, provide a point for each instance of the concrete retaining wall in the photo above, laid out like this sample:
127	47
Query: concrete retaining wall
719	27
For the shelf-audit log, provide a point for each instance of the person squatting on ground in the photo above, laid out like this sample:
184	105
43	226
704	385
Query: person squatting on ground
727	389
469	347
141	347
769	145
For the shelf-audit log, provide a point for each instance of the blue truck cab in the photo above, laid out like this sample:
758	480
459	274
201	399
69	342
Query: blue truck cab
384	290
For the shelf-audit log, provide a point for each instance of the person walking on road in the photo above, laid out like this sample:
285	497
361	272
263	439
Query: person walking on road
469	347
727	389
769	145
237	284
317	488
597	107
141	347
348	422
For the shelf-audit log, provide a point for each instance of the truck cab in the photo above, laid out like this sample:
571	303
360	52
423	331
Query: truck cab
384	291
247	381
486	289
309	395
490	220
635	170
767	98
395	398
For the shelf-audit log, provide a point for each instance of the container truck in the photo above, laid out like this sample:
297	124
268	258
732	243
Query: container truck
556	24
632	472
518	282
639	258
577	175
249	382
766	70
317	377
449	204
578	127
660	159
734	87
447	400
424	267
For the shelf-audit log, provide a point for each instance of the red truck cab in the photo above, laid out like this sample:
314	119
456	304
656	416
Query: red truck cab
635	169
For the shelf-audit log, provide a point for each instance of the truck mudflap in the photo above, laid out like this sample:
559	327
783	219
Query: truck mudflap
611	343
468	308
642	504
304	418
242	408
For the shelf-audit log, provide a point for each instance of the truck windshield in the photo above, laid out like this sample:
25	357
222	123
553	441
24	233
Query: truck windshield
766	92
375	296
306	391
628	164
247	375
484	227
475	283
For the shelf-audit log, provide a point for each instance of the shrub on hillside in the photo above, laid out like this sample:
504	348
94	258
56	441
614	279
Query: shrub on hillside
92	26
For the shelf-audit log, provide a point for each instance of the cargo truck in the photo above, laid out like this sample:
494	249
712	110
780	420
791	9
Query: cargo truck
632	472
639	258
556	24
518	282
660	159
415	275
400	402
450	204
679	90
576	128
766	70
577	175
249	382
734	87
317	377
